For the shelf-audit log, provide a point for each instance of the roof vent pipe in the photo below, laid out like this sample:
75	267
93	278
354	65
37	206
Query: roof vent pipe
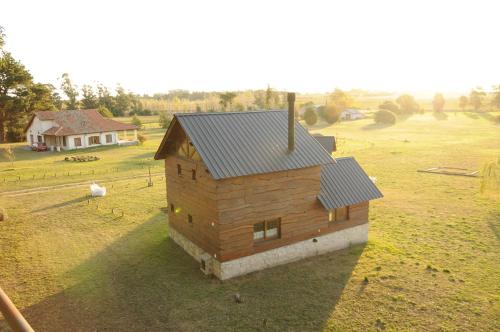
291	121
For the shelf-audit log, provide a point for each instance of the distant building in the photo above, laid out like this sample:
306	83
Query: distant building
77	129
351	114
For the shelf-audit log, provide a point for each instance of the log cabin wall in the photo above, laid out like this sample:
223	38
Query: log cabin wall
192	197
289	195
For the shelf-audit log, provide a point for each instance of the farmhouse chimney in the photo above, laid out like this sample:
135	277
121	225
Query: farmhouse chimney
291	121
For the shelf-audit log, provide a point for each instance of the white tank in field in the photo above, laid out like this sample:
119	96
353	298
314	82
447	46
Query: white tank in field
97	191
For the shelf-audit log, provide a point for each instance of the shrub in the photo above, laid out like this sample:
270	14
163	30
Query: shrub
141	138
331	114
310	117
384	117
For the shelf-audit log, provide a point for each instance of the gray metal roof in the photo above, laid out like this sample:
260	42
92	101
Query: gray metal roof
328	142
244	143
345	183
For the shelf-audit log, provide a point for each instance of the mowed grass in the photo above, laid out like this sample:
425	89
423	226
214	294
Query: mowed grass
432	261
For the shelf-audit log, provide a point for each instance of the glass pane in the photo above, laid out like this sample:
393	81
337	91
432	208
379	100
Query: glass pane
258	231
272	228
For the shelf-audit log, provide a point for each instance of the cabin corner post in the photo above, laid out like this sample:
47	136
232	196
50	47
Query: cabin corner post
291	121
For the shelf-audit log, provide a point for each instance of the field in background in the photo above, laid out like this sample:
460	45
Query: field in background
432	261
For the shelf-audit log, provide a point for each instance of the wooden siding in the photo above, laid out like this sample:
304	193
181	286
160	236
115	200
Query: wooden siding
194	197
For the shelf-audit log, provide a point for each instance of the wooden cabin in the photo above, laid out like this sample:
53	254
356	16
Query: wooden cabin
251	190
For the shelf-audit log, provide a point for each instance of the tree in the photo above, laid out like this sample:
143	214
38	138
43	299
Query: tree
476	99
389	106
496	98
104	98
14	91
331	114
310	117
269	97
462	102
259	99
123	103
226	99
70	91
438	102
2	37
407	104
164	120
136	121
384	117
105	112
340	99
89	98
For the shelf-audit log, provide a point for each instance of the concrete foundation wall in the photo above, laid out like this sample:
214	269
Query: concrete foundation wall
278	256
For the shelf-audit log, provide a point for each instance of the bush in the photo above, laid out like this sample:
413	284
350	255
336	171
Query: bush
310	117
384	117
331	114
141	138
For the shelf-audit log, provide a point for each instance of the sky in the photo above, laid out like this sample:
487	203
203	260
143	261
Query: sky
304	46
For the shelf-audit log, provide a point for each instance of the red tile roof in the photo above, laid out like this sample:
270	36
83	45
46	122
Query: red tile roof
74	122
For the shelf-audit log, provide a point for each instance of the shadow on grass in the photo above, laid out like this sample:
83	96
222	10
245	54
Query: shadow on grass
376	126
59	205
440	116
144	281
470	115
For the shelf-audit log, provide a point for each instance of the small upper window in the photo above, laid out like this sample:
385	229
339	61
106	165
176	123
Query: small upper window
179	169
190	219
267	230
172	208
193	174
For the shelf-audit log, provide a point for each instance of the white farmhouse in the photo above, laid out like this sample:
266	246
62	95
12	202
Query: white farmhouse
351	114
77	129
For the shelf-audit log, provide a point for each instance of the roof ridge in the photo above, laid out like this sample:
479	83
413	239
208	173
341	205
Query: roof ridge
224	113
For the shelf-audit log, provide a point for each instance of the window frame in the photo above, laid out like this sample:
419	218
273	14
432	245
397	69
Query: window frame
110	136
79	140
190	219
172	207
333	214
265	224
93	138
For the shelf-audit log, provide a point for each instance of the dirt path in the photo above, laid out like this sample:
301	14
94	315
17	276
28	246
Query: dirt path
14	193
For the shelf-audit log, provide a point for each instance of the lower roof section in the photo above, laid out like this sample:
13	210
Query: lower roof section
345	183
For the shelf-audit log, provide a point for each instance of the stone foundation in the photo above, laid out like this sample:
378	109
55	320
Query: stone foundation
274	257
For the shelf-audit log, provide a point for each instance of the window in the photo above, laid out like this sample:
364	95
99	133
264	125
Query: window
267	230
190	219
78	141
109	138
193	174
39	138
179	170
64	141
94	140
339	214
172	208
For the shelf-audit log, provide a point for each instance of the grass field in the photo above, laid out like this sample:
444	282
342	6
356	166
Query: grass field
432	260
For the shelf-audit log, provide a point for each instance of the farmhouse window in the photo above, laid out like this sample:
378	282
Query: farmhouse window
190	219
193	174
39	137
64	141
267	230
339	214
94	140
179	169
109	138
78	141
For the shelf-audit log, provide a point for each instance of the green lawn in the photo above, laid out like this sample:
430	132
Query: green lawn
432	260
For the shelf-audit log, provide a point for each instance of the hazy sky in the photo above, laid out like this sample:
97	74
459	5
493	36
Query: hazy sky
154	46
